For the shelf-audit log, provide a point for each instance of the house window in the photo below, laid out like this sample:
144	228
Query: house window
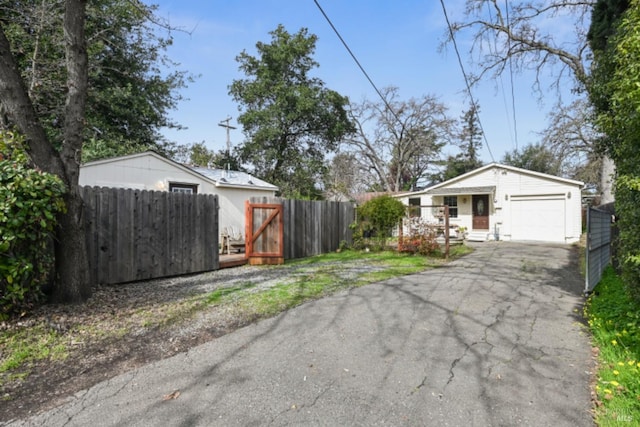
452	202
414	207
183	188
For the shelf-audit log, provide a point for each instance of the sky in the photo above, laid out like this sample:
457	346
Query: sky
397	43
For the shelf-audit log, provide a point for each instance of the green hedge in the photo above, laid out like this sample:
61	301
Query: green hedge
29	202
616	88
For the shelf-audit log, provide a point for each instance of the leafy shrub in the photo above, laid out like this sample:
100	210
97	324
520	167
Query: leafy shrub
614	319
378	217
29	202
423	243
628	214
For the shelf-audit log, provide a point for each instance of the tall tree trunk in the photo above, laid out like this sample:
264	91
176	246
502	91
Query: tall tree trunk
71	281
606	180
72	267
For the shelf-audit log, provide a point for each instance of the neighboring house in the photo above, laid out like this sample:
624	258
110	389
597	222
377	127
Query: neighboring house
151	171
499	202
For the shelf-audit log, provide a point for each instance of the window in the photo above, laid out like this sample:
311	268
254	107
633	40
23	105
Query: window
414	207
183	188
452	202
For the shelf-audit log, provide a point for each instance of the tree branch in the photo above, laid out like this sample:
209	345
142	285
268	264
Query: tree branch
17	105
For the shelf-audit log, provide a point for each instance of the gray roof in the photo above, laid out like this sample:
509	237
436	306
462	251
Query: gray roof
445	191
223	177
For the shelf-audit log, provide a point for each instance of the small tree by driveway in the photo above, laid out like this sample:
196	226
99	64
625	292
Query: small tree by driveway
378	216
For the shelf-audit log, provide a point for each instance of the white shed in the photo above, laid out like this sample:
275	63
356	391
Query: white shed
507	203
151	171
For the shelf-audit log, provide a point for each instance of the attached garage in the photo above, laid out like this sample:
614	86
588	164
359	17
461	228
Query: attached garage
538	218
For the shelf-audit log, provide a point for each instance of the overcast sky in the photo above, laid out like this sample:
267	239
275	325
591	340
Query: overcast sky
395	41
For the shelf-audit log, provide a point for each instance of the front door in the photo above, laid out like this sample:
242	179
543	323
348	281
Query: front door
480	212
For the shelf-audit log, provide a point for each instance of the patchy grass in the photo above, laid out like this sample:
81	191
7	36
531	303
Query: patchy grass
324	277
227	294
614	320
119	317
23	347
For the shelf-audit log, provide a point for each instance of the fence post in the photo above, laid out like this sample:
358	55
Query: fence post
401	235
446	231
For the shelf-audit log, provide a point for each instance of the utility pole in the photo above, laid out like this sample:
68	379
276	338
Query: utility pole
225	124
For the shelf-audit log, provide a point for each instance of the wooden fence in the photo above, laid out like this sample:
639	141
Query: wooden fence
136	235
313	227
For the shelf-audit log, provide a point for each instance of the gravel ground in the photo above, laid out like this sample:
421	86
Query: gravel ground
128	325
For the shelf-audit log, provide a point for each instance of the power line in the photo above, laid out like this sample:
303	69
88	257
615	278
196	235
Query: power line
513	98
503	91
464	74
359	65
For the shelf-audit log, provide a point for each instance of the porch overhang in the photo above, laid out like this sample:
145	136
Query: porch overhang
457	191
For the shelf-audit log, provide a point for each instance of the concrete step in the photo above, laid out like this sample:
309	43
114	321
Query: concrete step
478	236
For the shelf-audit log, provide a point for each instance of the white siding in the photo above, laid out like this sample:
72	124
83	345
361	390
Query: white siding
152	172
140	173
232	203
537	219
511	183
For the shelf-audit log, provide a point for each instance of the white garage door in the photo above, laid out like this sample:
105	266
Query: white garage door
539	219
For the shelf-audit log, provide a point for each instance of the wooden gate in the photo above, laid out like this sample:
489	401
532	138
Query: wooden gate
264	233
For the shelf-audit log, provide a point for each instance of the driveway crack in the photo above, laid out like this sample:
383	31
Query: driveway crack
322	393
419	386
310	405
455	362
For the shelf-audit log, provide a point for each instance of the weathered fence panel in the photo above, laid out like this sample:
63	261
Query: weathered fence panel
598	253
136	235
313	227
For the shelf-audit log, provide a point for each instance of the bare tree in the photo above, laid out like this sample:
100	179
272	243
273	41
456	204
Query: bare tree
398	141
543	36
550	37
345	177
571	135
71	259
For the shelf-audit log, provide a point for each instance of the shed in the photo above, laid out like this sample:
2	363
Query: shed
151	171
500	202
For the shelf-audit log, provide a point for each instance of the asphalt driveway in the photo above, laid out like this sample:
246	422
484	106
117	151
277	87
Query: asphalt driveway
492	339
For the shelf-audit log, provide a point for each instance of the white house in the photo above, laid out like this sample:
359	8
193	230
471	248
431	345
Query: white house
151	171
506	203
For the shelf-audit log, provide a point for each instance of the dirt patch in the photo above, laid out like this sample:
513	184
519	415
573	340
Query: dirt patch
122	327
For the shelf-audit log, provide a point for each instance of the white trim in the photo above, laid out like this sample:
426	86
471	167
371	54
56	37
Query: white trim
512	169
495	166
194	173
110	184
154	155
246	187
556	196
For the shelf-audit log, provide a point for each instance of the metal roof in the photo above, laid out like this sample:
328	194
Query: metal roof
223	177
